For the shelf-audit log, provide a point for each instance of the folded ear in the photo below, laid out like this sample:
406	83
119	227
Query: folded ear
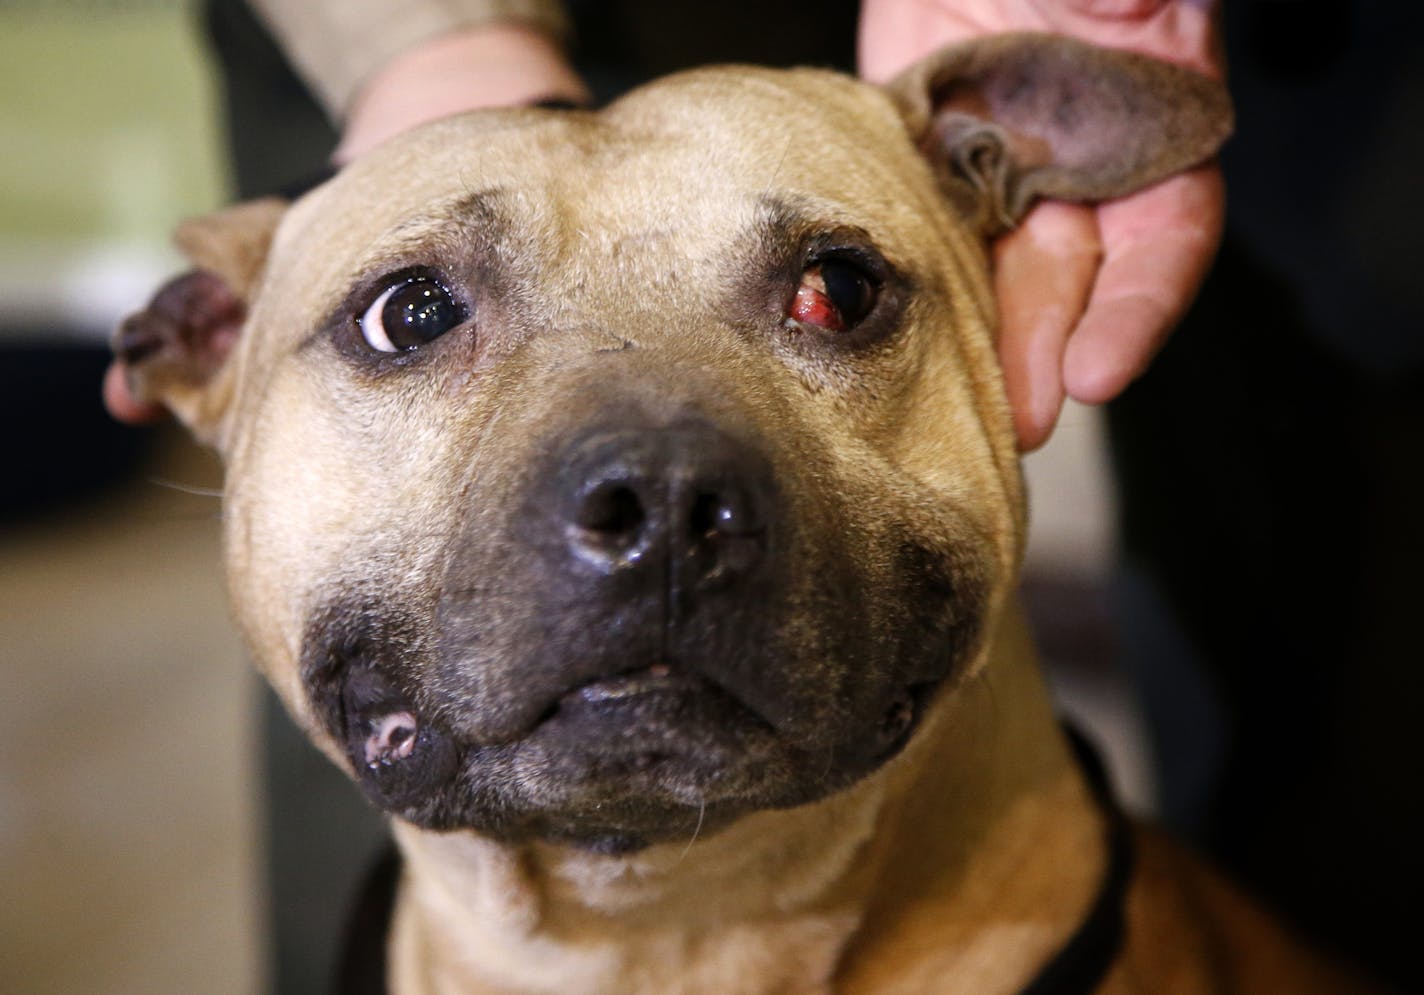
174	352
1010	118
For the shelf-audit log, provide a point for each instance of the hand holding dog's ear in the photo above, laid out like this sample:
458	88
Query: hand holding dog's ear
1087	294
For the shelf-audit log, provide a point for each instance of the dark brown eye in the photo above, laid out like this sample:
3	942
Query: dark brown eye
410	313
835	295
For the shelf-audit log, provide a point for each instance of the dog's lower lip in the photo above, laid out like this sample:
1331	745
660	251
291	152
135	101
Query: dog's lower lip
653	678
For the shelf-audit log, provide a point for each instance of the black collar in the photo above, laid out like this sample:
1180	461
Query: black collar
1083	962
1078	968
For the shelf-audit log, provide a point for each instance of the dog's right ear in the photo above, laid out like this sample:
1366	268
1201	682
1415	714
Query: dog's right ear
1008	119
174	352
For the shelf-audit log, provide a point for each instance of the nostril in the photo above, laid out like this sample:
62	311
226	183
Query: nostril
707	515
727	513
683	506
612	510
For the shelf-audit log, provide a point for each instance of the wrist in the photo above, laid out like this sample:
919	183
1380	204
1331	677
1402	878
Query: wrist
496	65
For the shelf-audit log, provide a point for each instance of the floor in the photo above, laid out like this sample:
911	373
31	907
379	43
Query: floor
128	849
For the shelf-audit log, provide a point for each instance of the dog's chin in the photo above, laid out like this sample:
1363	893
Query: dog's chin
641	758
613	766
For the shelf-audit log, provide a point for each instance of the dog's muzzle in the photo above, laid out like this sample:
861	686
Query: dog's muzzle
641	633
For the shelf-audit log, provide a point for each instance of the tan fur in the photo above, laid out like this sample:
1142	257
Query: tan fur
232	244
960	865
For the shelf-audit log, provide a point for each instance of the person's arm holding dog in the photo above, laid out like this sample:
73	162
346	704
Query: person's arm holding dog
1087	295
381	68
494	65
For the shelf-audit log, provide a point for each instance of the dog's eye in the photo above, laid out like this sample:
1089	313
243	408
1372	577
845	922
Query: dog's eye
410	313
835	295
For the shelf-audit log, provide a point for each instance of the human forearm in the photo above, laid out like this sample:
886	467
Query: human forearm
340	45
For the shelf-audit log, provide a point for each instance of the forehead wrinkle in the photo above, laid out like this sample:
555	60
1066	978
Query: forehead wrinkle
443	225
439	231
797	217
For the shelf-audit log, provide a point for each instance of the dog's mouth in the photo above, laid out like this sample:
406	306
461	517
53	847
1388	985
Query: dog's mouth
656	678
660	687
660	721
611	764
577	711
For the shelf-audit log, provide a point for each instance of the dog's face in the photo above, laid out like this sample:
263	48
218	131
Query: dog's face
674	498
593	477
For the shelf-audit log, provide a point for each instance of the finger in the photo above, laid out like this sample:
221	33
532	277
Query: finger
1158	247
1043	273
1117	8
122	405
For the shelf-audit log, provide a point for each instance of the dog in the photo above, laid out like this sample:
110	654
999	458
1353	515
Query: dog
627	500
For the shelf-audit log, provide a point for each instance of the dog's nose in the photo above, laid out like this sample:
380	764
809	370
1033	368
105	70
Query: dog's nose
686	503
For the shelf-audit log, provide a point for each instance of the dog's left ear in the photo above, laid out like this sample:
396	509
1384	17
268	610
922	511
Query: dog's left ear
175	351
1011	118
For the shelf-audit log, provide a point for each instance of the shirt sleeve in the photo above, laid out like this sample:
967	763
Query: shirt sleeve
336	45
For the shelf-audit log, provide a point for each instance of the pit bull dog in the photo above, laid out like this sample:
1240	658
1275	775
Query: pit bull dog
627	500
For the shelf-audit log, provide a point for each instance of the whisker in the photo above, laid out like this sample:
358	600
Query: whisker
701	815
777	171
173	485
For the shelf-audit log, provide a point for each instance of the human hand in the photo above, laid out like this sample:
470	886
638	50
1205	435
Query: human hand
495	65
1087	295
504	64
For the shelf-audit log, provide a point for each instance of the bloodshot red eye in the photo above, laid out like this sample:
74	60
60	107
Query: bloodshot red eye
835	295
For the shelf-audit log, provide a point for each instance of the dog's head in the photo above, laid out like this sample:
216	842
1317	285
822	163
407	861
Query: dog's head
594	474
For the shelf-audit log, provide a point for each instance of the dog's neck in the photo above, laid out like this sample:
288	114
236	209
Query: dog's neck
981	836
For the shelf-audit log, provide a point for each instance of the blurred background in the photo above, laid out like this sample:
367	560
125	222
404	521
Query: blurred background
128	809
1223	570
